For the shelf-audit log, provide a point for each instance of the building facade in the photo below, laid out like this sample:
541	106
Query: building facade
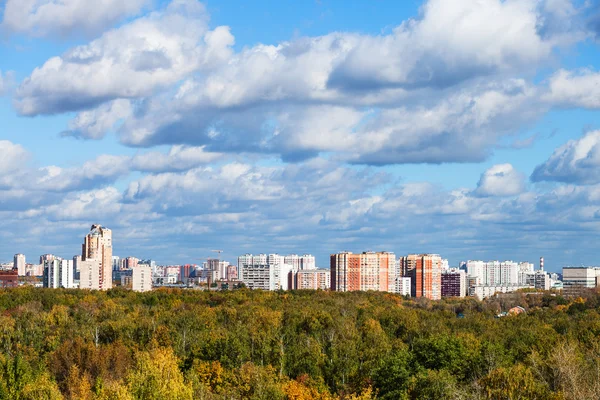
9	278
267	272
578	279
96	259
454	283
312	279
58	273
425	272
365	271
141	278
19	264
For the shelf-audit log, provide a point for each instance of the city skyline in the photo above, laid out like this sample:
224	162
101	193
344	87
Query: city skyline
234	259
468	129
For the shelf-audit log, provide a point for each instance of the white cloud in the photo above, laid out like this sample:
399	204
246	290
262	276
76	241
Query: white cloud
577	161
501	180
179	158
132	61
12	157
94	124
61	18
575	89
452	42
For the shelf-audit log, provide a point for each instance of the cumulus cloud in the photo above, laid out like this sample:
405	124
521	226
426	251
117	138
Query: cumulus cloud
18	177
131	61
12	157
95	123
48	17
579	88
179	158
501	180
317	205
452	42
577	161
449	67
461	126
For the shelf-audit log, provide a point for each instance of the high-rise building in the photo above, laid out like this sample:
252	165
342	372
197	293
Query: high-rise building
496	273
402	285
46	257
267	272
130	262
454	283
76	267
141	278
116	263
19	264
365	271
184	272
232	274
425	271
306	261
311	279
96	259
58	273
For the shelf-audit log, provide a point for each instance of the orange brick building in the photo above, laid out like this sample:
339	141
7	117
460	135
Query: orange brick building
365	271
425	272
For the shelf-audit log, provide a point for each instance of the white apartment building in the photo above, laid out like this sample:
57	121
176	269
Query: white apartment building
58	273
141	278
402	285
482	292
20	264
267	272
494	273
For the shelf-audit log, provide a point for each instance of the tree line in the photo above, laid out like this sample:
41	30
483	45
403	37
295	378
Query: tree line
190	344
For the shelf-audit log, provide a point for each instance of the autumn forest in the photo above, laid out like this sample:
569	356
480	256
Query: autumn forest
175	344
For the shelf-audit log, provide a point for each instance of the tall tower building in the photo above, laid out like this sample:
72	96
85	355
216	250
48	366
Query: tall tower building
96	259
19	264
366	271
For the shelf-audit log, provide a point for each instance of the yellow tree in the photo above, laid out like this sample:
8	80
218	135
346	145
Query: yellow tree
157	377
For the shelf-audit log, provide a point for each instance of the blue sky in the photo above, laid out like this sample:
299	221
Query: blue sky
467	128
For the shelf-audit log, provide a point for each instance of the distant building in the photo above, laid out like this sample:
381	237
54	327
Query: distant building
141	278
129	262
365	271
454	283
232	273
425	272
542	280
76	267
402	286
116	263
19	264
58	273
578	279
494	273
259	276
306	261
46	257
184	272
9	278
311	279
482	292
267	272
96	259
